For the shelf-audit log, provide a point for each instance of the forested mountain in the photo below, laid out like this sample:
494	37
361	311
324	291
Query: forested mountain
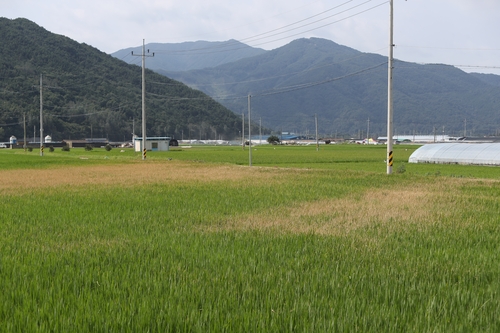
488	78
345	88
89	93
189	55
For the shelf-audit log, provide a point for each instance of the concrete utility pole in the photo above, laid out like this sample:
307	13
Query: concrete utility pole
368	132
249	132
143	55
41	117
24	124
260	130
316	122
243	130
389	91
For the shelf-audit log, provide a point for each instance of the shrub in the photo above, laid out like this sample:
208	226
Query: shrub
65	148
51	149
273	139
108	147
30	148
401	168
88	147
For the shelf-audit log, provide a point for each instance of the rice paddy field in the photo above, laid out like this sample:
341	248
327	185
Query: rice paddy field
196	240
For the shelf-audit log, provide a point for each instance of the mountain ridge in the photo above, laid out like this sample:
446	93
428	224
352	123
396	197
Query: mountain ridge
190	55
88	92
354	90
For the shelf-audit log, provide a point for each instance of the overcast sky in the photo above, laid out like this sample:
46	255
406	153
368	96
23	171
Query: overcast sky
464	33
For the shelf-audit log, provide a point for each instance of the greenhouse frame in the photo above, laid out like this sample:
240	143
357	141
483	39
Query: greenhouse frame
458	153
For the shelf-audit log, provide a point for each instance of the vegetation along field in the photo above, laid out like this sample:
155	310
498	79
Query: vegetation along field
195	240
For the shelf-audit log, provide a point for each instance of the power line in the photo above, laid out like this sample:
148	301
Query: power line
270	31
304	25
448	48
268	34
274	92
313	84
417	64
247	24
362	54
319	27
474	66
11	124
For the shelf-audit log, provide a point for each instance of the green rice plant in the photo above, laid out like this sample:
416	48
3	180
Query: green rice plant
317	248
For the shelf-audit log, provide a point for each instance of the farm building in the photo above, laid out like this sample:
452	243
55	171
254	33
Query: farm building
157	143
417	138
458	153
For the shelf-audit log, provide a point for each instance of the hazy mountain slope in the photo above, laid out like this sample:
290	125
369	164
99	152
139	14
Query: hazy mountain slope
189	55
488	78
425	96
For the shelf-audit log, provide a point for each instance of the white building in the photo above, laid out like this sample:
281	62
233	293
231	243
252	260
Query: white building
155	143
418	138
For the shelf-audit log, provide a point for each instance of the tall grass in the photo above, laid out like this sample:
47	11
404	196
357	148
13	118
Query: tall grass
198	255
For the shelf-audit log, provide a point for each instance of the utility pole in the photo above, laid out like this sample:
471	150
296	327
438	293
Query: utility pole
243	131
260	130
143	55
316	122
389	91
249	132
133	132
368	132
41	117
24	123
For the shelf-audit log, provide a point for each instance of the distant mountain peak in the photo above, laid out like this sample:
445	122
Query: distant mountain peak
344	87
193	55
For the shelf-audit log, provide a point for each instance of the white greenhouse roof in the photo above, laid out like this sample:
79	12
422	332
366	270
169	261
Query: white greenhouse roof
458	153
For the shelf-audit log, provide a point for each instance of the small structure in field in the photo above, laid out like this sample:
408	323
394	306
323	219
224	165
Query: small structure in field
155	143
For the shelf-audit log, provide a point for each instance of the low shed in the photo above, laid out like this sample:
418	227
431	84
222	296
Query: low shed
458	153
156	143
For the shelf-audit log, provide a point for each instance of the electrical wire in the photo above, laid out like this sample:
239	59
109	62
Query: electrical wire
313	84
364	54
251	39
282	90
11	124
263	36
237	42
448	48
322	26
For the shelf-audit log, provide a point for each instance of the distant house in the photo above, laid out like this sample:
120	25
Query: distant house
94	142
416	138
156	143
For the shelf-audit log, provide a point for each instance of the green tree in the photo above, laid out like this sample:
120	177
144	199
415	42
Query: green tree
273	139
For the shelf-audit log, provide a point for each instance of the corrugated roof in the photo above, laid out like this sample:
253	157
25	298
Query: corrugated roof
458	153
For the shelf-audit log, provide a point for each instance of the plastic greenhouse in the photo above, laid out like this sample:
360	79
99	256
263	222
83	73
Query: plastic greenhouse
458	153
